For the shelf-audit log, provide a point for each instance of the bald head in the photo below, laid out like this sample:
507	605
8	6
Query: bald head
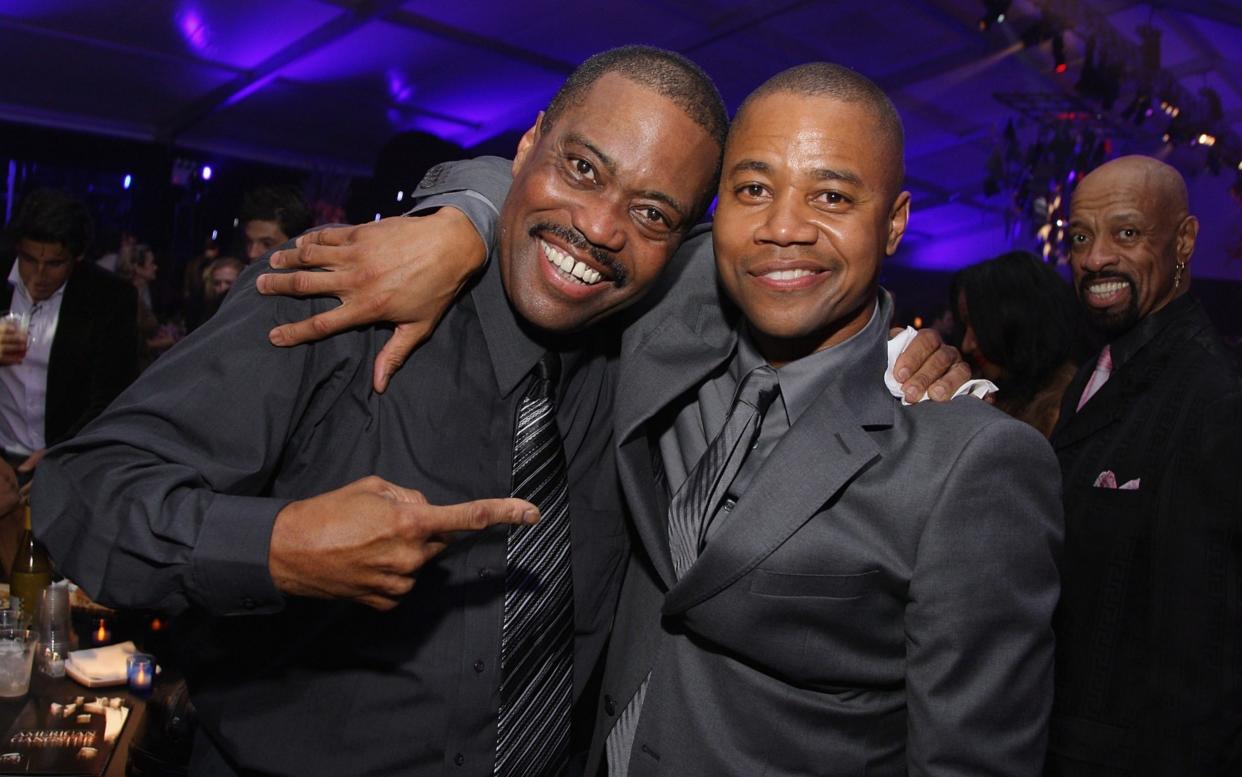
1131	239
1161	181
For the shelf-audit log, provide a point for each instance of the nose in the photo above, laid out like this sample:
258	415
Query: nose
254	251
601	221
1098	255
970	345
786	223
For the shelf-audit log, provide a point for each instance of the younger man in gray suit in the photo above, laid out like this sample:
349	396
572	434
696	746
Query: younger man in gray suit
870	588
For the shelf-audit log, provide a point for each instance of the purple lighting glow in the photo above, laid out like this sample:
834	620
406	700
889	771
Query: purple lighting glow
398	89
193	28
206	172
127	181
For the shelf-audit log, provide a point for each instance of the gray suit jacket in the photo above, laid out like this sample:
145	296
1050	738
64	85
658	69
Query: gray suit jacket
879	602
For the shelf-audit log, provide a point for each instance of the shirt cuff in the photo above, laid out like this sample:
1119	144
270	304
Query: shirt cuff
230	561
482	214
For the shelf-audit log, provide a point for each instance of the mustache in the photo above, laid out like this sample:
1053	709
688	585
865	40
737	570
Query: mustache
578	241
1103	275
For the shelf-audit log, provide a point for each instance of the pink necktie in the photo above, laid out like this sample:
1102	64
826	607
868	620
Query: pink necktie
1103	368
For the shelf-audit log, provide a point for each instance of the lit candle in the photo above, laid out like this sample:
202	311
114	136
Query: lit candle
141	672
102	633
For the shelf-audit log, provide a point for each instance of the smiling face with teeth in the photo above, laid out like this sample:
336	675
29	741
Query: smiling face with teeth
807	212
1129	227
600	201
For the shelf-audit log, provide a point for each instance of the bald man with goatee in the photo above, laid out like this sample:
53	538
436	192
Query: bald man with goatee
1149	627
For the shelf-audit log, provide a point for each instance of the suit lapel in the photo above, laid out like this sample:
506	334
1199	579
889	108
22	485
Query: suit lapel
1101	410
675	358
823	451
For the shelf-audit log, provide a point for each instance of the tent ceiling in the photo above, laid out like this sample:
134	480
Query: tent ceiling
324	83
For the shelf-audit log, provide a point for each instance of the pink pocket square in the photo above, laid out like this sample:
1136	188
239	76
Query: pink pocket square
1107	479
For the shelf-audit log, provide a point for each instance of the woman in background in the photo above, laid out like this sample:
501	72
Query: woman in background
137	265
1022	330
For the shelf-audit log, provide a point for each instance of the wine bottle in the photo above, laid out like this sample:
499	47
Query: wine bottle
31	571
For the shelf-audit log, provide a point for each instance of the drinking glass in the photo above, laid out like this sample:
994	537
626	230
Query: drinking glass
54	630
17	651
14	336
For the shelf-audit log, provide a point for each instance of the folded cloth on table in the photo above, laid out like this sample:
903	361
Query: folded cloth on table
100	666
978	388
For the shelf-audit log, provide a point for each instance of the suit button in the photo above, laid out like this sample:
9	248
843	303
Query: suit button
610	705
479	665
249	603
459	759
484	573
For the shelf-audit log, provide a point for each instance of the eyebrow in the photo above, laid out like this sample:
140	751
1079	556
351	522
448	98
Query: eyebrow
829	174
611	167
1126	217
32	258
819	174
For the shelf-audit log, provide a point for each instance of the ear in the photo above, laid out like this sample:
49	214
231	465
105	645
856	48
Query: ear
528	141
1187	233
898	218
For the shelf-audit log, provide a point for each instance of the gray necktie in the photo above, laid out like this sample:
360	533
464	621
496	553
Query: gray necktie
537	640
696	501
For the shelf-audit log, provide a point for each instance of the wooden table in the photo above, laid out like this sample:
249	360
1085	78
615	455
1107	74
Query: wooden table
46	690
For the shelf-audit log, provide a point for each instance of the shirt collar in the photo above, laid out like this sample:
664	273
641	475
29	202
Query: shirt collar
803	380
1125	346
513	351
19	288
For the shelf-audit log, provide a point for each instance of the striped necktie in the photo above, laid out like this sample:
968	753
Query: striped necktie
536	654
1099	376
693	505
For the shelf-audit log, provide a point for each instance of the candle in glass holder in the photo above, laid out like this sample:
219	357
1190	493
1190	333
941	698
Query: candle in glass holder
101	631
140	673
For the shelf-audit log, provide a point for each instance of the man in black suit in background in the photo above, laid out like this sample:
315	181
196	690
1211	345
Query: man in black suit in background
1149	627
83	338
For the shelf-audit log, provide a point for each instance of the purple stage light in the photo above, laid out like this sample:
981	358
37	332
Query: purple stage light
206	172
193	28
127	181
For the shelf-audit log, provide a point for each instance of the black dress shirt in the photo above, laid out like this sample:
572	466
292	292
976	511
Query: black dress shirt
168	501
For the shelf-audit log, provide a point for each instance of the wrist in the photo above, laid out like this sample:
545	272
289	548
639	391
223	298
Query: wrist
469	249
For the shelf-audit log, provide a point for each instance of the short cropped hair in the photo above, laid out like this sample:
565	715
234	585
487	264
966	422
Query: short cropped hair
283	204
666	73
826	79
54	216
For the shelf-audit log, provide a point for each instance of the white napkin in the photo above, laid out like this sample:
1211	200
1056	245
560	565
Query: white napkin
105	665
977	388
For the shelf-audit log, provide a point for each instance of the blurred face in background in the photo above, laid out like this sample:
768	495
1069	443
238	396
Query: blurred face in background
982	366
261	237
146	269
222	279
43	267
